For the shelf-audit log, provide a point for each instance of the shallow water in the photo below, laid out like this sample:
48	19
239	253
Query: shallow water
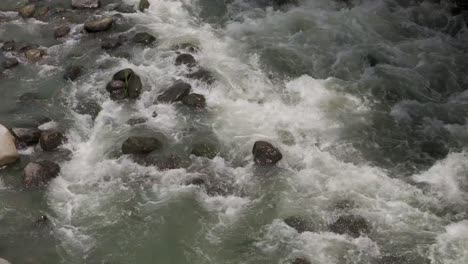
366	102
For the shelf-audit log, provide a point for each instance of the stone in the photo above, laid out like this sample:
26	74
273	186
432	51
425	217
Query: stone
115	85
300	224
50	140
136	121
27	11
8	152
85	4
206	150
201	75
118	95
265	153
62	31
194	100
132	81
126	9
113	43
40	173
141	145
175	93
98	25
73	72
88	107
10	63
34	54
170	163
143	5
351	225
144	38
372	60
185	59
30	135
301	261
9	46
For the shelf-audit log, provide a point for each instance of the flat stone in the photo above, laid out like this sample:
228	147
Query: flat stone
136	121
8	152
98	25
300	224
207	150
175	93
301	261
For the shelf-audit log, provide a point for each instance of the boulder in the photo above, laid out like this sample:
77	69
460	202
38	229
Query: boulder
265	153
30	136
352	225
34	54
143	5
175	93
88	107
141	145
40	173
301	261
27	11
98	25
85	4
201	75
144	38
4	261
207	150
62	31
8	151
185	59
10	63
50	140
194	100
132	83
118	95
300	224
72	72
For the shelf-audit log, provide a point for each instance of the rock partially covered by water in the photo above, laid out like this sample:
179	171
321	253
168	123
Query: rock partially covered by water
194	100
141	145
352	225
113	43
300	224
125	84
40	173
301	261
29	136
27	11
62	31
207	150
144	38
35	54
8	152
143	5
50	140
73	72
10	63
88	107
175	93
185	59
265	153
202	75
98	25
85	3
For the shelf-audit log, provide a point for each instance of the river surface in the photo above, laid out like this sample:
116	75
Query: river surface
366	101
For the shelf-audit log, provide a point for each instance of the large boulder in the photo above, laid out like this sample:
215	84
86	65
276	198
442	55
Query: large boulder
175	93
141	145
50	140
8	151
40	173
98	25
265	153
29	135
194	100
85	3
27	11
143	5
125	83
352	225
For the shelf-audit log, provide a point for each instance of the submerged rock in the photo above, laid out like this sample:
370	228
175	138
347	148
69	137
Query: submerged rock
141	145
50	140
126	9
175	93
144	38
185	59
34	54
40	173
435	149
73	72
88	107
143	5
85	4
207	150
8	151
169	163
29	136
136	121
301	261
351	225
9	46
27	11
10	63
300	224
194	100
98	25
62	31
202	75
265	153
113	43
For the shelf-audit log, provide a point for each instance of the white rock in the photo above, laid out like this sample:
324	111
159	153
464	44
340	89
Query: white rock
8	152
3	261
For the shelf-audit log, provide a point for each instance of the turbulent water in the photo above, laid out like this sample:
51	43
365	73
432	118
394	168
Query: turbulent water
366	102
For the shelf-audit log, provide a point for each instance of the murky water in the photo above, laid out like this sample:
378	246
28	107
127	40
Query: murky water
366	102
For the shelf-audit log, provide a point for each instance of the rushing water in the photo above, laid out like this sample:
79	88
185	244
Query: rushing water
366	102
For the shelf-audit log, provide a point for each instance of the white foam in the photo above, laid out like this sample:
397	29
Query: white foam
452	246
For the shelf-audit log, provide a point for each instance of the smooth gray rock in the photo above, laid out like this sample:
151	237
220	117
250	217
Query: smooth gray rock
352	225
98	25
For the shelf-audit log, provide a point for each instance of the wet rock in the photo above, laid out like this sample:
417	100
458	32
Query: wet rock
4	261
113	43
301	261
50	140
351	225
372	60
265	153
98	25
207	150
202	75
34	54
132	83
118	95
190	47
30	136
73	72
136	121
88	107
24	47
196	181
144	38
62	31
170	163
175	93
28	97
194	100
435	149
126	9
8	152
9	46
27	11
85	4
41	12
185	59
143	5
115	85
10	63
300	224
43	220
40	173
141	145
